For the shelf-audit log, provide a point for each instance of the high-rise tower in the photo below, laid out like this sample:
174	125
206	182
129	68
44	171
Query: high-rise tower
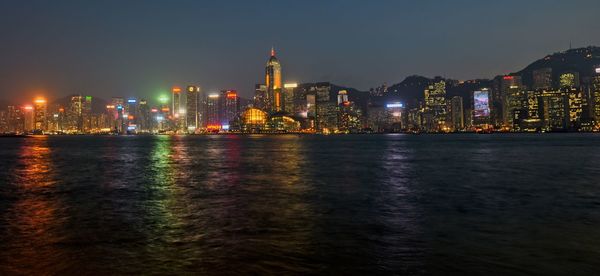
178	111
192	108
273	84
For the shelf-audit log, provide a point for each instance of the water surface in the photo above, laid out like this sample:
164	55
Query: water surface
288	204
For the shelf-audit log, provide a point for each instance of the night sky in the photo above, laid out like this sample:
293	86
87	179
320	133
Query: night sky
140	48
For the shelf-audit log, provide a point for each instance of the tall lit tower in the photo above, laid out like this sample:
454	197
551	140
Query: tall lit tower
212	112
230	107
28	118
273	83
40	109
192	108
177	111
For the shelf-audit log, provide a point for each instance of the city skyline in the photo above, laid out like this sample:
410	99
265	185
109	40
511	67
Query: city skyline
150	54
558	93
287	137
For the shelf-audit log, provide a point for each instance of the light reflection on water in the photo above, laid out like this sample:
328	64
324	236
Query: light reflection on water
33	223
298	204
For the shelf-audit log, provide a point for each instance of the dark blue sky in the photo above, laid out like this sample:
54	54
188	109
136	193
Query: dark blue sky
138	48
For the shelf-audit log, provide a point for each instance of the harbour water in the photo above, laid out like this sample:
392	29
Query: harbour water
301	204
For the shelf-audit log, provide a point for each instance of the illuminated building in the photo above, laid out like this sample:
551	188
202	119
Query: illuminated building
163	114
260	96
280	123
28	118
575	105
132	110
457	115
230	108
549	110
311	108
326	107
177	110
40	111
273	84
118	110
144	117
289	93
302	104
395	116
342	97
3	121
253	120
531	118
53	120
192	108
553	110
510	89
596	94
569	79
515	107
377	117
481	108
542	78
435	103
212	112
16	119
349	118
86	113
74	114
413	119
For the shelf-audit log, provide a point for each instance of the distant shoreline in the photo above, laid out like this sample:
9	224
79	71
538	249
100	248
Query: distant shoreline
280	134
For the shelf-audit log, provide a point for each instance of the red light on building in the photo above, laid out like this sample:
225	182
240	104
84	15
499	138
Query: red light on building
176	89
61	110
231	94
154	110
346	103
508	77
213	127
165	109
28	107
130	117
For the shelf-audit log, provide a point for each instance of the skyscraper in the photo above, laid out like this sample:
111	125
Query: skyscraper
192	108
40	109
86	113
74	114
212	112
510	93
28	118
481	108
596	94
288	98
177	111
230	107
260	96
542	78
457	114
118	111
273	83
144	122
326	107
132	114
435	102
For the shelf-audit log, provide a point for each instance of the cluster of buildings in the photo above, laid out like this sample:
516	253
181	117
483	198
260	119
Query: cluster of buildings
549	103
505	104
276	107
